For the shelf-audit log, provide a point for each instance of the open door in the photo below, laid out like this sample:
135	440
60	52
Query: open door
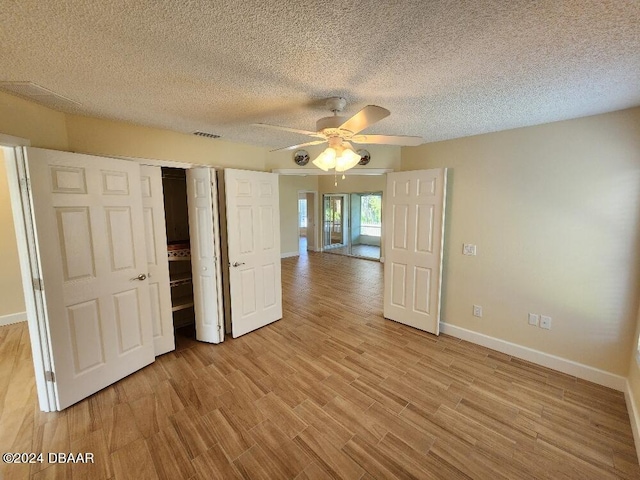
204	232
157	266
253	236
92	292
414	230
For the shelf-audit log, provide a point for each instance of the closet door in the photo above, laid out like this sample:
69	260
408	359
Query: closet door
93	286
202	197
157	264
253	236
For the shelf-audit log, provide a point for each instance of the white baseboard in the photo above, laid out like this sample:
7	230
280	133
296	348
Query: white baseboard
585	372
634	418
289	254
13	318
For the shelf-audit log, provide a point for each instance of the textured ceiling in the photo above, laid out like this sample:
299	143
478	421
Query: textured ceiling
445	69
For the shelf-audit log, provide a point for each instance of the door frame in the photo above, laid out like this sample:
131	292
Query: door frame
29	268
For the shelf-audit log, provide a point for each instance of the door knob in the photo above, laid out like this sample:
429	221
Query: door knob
140	277
237	264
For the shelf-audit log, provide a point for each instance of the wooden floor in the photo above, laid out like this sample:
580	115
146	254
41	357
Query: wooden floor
365	251
331	391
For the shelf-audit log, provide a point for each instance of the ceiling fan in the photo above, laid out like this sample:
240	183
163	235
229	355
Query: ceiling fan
339	131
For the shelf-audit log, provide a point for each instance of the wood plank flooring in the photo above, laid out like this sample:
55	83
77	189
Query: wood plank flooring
331	391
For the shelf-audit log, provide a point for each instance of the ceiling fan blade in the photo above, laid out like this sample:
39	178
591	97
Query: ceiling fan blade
287	129
402	140
365	118
293	147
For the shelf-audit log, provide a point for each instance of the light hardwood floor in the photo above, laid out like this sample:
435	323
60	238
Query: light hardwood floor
331	391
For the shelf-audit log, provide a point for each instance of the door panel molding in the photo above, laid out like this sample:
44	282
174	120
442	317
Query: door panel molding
202	199
155	230
414	207
253	248
121	318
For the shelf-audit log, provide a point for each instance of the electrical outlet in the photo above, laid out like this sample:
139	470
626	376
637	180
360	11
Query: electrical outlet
477	311
468	249
545	322
533	319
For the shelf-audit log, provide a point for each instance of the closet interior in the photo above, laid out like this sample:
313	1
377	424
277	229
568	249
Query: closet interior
174	185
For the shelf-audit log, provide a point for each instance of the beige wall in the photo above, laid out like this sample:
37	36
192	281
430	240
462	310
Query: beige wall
44	127
289	186
105	137
351	184
634	369
382	156
11	297
47	128
555	213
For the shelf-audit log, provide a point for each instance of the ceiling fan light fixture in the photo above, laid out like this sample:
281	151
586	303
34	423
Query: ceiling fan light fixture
326	160
347	159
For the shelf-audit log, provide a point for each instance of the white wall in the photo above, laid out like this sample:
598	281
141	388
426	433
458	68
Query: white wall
555	213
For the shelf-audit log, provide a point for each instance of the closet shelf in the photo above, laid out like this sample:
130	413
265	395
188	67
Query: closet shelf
179	252
180	279
180	303
183	254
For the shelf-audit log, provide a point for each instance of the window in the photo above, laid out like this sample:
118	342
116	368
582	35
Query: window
302	212
370	215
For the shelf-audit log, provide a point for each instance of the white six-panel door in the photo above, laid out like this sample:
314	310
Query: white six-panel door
413	232
88	216
253	232
157	266
202	196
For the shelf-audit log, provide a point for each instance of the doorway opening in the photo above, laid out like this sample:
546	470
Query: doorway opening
353	224
366	224
302	224
174	186
306	222
335	222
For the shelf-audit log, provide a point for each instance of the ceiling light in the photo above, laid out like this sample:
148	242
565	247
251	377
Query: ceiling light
347	159
326	160
339	156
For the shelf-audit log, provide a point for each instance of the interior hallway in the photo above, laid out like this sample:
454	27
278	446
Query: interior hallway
331	391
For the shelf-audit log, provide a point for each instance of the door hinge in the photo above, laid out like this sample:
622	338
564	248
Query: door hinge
38	284
50	376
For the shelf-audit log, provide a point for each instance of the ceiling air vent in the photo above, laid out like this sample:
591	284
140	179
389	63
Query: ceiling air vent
44	96
206	134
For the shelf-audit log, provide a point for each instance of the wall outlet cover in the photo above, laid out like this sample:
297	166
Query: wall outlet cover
477	311
533	319
545	322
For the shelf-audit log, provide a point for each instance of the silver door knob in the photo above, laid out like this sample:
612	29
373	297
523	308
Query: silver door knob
140	277
237	264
